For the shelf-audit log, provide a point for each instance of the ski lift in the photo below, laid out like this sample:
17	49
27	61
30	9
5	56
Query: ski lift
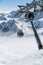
29	16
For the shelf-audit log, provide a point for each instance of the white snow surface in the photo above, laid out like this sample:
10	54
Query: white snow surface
24	50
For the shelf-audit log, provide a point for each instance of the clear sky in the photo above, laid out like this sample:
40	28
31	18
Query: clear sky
7	5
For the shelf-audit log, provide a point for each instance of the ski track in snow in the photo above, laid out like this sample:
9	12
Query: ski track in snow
33	59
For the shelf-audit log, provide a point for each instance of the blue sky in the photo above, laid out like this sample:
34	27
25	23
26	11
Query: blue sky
6	5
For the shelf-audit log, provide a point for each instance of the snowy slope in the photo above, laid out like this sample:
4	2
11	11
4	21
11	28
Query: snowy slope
33	59
16	47
23	50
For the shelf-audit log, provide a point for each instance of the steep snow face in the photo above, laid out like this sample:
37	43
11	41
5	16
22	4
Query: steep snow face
4	27
8	26
12	25
2	18
12	14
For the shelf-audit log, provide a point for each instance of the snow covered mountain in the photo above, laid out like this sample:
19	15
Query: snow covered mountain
8	26
12	14
3	14
2	18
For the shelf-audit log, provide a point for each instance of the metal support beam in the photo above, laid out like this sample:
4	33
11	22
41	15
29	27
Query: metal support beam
37	37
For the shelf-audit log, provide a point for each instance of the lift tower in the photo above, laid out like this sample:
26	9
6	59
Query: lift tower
30	15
